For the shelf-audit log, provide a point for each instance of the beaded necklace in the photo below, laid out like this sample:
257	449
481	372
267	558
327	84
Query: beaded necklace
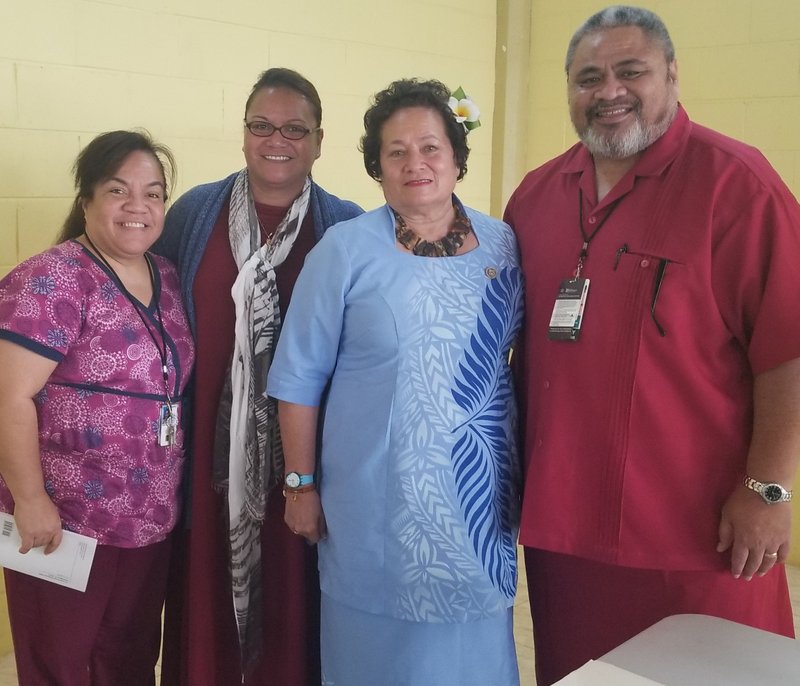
446	246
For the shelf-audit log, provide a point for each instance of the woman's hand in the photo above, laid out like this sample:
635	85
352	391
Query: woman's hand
304	515
38	524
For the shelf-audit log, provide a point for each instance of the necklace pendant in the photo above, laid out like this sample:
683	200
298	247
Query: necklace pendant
447	246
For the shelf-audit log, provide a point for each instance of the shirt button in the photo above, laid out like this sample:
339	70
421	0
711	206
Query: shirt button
592	220
539	443
546	384
644	264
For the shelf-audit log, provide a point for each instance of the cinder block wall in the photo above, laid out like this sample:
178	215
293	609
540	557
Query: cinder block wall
70	69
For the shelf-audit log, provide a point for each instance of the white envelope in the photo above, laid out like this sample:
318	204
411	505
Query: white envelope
68	565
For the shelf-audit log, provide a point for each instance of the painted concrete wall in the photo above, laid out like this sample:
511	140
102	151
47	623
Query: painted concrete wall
70	69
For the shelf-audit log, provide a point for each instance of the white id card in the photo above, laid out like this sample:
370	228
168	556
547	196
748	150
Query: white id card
567	317
167	424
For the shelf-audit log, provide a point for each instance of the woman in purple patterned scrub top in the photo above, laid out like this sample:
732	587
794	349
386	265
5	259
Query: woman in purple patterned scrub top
95	352
397	342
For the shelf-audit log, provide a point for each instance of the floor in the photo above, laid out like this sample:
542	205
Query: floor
522	631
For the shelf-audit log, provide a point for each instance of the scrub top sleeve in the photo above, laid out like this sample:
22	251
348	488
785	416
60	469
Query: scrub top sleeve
42	304
309	342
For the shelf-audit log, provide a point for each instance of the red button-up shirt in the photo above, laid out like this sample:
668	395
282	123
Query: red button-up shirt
634	440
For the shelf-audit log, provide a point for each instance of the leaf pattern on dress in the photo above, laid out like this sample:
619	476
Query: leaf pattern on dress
438	574
429	524
439	578
484	453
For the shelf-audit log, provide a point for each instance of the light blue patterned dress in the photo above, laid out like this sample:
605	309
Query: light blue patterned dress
419	475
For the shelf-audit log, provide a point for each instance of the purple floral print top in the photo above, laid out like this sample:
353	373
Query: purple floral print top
98	412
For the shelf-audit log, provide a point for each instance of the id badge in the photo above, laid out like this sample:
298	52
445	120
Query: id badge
567	317
167	424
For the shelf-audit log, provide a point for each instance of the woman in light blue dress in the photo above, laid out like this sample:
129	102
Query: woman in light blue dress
396	343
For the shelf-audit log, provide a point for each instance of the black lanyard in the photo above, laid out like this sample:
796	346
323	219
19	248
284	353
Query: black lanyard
162	347
588	239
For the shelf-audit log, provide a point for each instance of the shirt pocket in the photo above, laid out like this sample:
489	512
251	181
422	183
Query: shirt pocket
658	285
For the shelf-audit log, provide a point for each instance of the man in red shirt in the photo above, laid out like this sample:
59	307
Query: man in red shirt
660	363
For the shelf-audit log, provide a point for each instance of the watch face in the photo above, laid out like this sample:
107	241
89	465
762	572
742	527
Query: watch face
292	480
773	493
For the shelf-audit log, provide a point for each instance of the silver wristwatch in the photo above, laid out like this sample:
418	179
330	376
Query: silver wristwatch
771	492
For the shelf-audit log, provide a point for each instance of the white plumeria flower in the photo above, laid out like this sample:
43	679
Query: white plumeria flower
464	109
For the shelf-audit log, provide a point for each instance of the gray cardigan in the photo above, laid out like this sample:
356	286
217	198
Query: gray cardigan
187	228
191	219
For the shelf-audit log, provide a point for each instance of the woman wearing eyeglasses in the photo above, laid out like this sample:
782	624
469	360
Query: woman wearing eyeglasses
244	594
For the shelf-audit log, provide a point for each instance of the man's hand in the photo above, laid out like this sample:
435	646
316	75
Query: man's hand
756	533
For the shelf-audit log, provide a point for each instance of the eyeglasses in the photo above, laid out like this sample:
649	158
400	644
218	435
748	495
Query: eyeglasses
292	132
661	269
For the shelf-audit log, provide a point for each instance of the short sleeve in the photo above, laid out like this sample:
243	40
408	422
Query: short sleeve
755	277
41	303
307	349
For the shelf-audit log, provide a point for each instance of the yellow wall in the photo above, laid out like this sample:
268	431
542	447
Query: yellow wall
738	71
70	69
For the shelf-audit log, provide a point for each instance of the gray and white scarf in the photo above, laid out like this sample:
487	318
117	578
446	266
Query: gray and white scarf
248	457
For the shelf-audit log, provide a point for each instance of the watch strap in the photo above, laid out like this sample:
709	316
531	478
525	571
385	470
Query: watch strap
770	492
302	480
306	479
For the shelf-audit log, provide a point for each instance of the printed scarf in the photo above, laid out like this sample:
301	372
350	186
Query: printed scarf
248	457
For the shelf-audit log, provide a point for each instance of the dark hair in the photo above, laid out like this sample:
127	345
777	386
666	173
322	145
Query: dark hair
623	15
280	77
100	160
410	93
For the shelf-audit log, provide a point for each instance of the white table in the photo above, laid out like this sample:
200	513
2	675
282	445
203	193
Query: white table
697	650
